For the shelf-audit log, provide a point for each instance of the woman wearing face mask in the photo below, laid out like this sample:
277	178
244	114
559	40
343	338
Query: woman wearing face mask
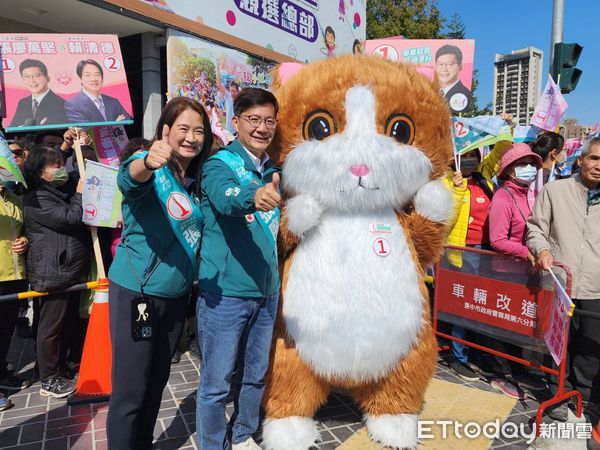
59	256
472	189
509	211
510	207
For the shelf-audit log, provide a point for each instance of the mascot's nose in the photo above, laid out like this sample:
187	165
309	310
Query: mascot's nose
360	170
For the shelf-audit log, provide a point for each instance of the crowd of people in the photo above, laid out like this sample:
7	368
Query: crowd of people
192	213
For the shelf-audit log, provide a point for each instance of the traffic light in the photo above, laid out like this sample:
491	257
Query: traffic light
563	66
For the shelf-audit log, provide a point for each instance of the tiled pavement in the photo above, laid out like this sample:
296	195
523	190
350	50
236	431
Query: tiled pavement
39	423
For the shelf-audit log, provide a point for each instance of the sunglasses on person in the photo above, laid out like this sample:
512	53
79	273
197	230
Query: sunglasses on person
18	153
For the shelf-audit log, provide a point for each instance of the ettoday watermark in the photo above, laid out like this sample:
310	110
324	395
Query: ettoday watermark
507	430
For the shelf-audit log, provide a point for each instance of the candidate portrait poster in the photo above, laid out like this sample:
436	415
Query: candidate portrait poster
212	75
449	60
63	80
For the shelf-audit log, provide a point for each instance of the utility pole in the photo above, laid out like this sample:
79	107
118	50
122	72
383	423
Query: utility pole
558	18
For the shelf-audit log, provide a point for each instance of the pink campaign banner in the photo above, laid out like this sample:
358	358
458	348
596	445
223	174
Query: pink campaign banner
450	60
550	107
63	80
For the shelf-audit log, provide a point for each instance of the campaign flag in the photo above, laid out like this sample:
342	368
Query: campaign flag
108	142
62	80
523	133
101	197
550	107
562	309
471	133
9	171
572	145
596	128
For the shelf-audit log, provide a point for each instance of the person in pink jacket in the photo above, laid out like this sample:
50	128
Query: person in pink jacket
509	210
511	207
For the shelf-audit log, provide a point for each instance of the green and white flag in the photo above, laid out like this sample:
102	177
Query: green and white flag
9	171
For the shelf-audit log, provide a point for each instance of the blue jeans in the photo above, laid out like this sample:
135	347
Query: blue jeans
232	330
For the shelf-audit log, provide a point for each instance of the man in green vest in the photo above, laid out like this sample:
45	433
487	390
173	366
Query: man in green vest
239	278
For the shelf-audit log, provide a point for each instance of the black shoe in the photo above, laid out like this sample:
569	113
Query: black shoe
463	371
57	387
483	366
12	383
176	358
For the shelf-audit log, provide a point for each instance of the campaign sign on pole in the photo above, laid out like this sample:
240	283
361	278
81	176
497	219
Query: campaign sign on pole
9	171
101	198
524	133
562	309
63	80
471	133
212	75
450	60
306	30
550	107
109	142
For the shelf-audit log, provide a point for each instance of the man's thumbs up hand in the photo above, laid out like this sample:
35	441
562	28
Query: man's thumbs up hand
267	197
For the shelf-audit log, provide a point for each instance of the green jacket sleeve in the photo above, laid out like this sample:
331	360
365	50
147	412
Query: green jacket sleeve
224	192
129	187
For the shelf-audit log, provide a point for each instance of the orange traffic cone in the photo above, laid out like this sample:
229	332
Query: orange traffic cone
94	384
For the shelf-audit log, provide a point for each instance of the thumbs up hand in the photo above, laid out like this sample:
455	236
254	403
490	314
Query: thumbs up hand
160	152
267	197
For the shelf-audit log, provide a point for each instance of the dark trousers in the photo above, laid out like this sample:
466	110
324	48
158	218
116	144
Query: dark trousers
584	352
58	315
140	369
8	317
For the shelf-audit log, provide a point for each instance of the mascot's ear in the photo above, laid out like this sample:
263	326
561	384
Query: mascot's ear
284	72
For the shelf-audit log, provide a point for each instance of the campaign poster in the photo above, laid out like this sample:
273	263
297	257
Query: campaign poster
63	80
306	30
449	60
101	198
213	75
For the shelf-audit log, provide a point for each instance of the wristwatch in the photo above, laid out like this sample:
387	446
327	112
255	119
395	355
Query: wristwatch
146	164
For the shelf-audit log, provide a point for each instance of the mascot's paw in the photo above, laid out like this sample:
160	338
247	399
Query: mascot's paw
291	433
396	431
303	213
434	202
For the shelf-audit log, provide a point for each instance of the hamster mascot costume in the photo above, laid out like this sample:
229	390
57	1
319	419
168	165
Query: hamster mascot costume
363	143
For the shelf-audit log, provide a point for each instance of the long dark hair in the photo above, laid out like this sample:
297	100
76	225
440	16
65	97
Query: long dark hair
39	157
168	116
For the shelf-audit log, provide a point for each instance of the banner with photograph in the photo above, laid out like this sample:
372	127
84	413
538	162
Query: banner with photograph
450	60
108	142
306	30
212	75
63	80
101	198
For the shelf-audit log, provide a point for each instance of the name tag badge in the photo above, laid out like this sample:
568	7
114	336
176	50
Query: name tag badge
380	228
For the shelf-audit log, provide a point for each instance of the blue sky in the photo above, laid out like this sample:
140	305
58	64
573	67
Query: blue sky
499	26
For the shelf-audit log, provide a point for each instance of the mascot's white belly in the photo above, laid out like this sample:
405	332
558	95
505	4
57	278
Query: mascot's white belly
352	302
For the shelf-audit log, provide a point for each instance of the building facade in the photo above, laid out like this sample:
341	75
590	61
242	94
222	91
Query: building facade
571	129
517	83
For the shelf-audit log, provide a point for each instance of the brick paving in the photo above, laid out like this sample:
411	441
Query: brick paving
40	423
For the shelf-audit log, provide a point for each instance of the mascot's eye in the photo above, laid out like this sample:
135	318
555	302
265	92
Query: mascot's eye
401	128
318	125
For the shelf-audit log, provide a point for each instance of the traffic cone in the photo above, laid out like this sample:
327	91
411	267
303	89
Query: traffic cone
93	383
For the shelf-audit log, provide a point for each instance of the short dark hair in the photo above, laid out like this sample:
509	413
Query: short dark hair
450	50
356	44
234	83
39	157
39	137
28	63
134	145
547	142
249	97
84	62
169	115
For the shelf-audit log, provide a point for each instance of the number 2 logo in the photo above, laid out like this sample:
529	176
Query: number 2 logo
460	129
111	63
